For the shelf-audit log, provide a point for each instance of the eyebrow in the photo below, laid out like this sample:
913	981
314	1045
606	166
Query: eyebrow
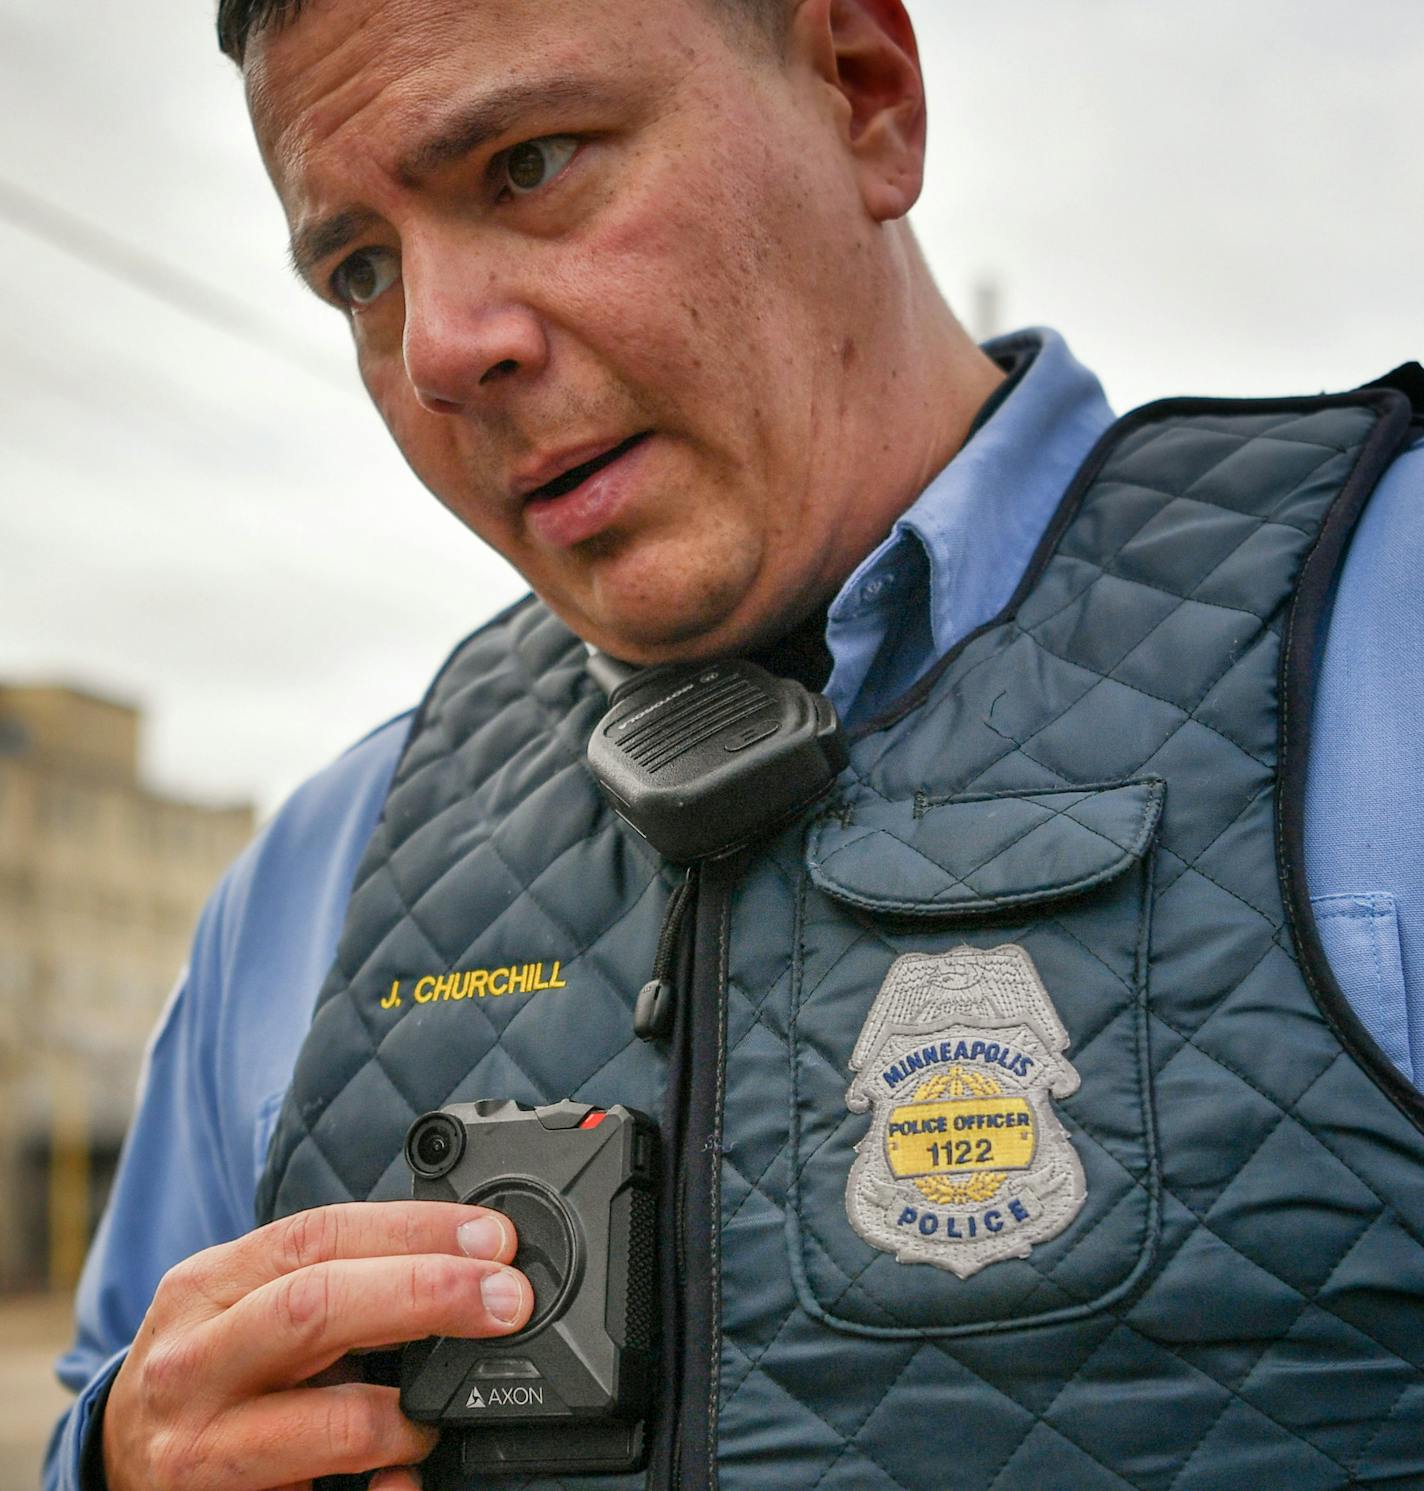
310	245
463	130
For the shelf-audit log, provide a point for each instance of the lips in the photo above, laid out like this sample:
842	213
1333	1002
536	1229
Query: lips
583	498
575	475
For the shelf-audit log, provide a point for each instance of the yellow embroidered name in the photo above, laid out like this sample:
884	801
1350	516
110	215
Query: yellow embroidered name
475	983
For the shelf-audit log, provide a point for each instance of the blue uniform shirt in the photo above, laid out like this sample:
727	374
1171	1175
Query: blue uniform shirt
222	1055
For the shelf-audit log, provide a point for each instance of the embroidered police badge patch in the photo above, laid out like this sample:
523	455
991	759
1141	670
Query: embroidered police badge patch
966	1162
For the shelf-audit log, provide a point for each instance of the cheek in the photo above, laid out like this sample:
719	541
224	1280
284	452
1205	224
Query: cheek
682	272
383	376
428	441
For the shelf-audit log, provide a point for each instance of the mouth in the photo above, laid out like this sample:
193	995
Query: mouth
588	499
576	476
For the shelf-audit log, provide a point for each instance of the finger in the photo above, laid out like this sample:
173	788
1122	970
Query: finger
217	1278
405	1479
293	1437
297	1326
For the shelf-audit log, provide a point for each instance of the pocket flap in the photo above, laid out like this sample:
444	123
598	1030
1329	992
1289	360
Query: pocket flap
954	857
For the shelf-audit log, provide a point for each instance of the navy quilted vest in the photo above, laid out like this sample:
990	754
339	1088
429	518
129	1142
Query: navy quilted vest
1104	787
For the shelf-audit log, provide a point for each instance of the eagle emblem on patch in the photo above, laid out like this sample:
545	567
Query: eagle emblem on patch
966	1162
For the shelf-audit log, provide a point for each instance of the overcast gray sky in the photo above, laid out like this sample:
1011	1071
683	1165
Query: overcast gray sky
198	510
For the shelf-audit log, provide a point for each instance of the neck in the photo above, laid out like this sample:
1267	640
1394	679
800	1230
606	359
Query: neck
950	376
905	405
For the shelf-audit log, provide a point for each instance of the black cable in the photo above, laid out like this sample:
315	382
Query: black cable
184	292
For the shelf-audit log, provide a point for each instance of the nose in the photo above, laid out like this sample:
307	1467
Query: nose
469	339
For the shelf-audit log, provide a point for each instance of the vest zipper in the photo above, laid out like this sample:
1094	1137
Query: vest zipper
684	1449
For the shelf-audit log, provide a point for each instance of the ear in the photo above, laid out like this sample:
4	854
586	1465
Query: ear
865	50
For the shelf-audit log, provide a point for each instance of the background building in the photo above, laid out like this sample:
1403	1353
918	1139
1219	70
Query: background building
101	880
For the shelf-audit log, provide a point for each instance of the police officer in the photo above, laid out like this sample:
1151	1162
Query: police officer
632	287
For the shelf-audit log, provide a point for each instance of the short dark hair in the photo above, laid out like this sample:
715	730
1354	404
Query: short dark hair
238	20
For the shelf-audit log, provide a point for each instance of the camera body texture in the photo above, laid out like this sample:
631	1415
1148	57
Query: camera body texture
569	1393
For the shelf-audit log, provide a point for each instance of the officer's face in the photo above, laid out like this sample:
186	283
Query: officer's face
603	268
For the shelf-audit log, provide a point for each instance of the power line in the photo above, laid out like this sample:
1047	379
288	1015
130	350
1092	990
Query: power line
175	287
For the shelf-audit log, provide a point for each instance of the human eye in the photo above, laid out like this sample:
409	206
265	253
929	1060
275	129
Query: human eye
364	276
526	167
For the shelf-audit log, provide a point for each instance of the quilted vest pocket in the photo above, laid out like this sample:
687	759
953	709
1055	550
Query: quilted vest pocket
972	1144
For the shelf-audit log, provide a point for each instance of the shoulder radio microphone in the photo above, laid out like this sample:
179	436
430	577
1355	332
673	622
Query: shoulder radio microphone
704	759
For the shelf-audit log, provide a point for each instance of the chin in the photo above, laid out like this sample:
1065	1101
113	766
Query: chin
647	646
705	616
688	638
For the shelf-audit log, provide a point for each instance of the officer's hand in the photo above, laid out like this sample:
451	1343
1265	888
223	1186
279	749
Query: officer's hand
216	1392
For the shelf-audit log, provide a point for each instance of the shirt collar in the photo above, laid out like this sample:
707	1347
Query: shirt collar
979	521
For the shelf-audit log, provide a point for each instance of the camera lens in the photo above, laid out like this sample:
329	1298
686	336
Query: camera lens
434	1145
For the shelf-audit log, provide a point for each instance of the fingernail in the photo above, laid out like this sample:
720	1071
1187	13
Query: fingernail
407	1478
482	1238
503	1296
